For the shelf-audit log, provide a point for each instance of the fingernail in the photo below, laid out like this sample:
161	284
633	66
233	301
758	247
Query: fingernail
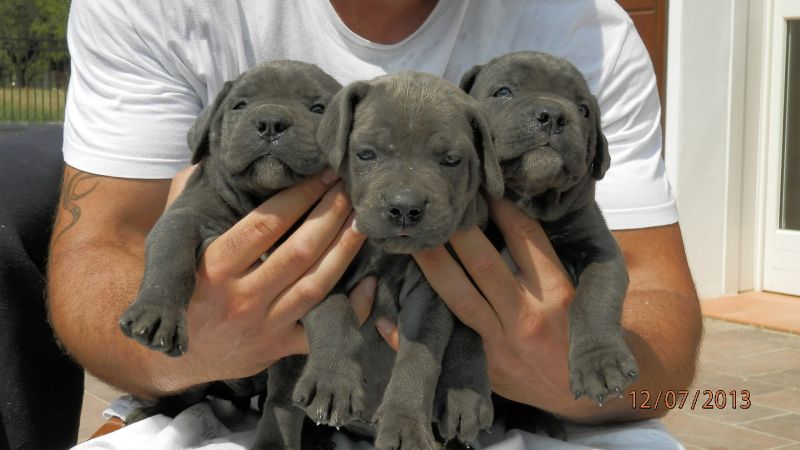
384	326
353	224
329	176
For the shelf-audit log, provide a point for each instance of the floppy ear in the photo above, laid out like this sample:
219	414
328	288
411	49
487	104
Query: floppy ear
204	128
468	79
490	165
602	159
337	122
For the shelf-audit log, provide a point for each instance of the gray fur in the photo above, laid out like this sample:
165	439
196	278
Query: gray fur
257	137
547	134
414	152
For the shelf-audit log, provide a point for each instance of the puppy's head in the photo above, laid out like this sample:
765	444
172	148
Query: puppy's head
260	130
413	150
546	127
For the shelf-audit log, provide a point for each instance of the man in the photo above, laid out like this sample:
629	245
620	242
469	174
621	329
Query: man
142	72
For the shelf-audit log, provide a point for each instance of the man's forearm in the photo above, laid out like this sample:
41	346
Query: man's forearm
90	286
662	329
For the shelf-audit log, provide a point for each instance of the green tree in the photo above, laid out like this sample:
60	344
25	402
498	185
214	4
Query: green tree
32	39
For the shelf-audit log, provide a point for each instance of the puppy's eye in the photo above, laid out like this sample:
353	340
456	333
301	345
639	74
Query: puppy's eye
240	105
451	160
366	155
583	109
503	92
317	108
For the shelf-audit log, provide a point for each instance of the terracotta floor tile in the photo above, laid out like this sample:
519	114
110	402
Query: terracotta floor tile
725	362
775	338
787	400
787	426
708	379
790	356
788	378
722	306
717	326
764	309
734	346
733	416
713	435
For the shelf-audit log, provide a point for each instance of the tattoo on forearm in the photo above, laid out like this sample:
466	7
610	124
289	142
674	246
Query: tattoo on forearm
72	191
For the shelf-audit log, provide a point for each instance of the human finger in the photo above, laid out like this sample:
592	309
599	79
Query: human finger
237	249
529	246
317	282
362	297
304	247
489	272
389	332
456	289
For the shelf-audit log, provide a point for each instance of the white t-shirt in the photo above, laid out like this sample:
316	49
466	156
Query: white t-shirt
142	70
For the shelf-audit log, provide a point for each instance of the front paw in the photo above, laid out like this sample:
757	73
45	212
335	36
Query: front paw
331	393
462	413
601	368
401	428
162	327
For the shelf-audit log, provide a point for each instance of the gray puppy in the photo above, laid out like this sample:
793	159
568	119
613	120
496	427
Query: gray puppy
258	137
546	128
413	151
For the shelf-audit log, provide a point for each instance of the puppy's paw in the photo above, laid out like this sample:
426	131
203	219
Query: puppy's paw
462	413
331	392
161	327
400	428
601	369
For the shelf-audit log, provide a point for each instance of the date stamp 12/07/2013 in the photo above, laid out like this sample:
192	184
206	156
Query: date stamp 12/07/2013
698	399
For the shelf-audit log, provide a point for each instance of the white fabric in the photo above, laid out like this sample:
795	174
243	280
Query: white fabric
142	70
214	425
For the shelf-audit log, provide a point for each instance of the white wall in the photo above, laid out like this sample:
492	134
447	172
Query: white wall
705	130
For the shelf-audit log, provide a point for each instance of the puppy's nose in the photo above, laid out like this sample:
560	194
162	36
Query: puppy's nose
272	125
406	209
550	118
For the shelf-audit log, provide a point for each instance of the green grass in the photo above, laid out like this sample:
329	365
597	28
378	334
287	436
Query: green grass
31	104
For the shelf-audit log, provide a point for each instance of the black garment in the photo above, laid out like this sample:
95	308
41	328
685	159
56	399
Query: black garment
41	389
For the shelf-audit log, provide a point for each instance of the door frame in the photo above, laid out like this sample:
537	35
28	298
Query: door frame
770	152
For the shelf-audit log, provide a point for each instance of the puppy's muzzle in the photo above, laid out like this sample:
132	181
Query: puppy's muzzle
405	208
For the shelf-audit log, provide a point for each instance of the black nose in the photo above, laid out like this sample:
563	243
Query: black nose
550	118
272	125
406	208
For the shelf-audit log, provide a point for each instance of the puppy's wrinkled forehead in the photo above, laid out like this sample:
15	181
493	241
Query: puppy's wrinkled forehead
286	80
424	103
533	73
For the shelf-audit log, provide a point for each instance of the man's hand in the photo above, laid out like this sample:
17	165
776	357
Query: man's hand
522	317
244	313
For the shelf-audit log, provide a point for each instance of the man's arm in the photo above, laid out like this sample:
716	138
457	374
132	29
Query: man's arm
523	317
96	264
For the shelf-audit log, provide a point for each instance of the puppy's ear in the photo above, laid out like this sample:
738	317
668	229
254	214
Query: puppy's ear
205	128
482	136
602	159
337	122
468	79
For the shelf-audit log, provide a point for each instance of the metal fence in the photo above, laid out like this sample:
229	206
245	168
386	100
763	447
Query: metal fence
34	74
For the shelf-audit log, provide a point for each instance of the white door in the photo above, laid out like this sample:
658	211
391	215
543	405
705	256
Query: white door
782	181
